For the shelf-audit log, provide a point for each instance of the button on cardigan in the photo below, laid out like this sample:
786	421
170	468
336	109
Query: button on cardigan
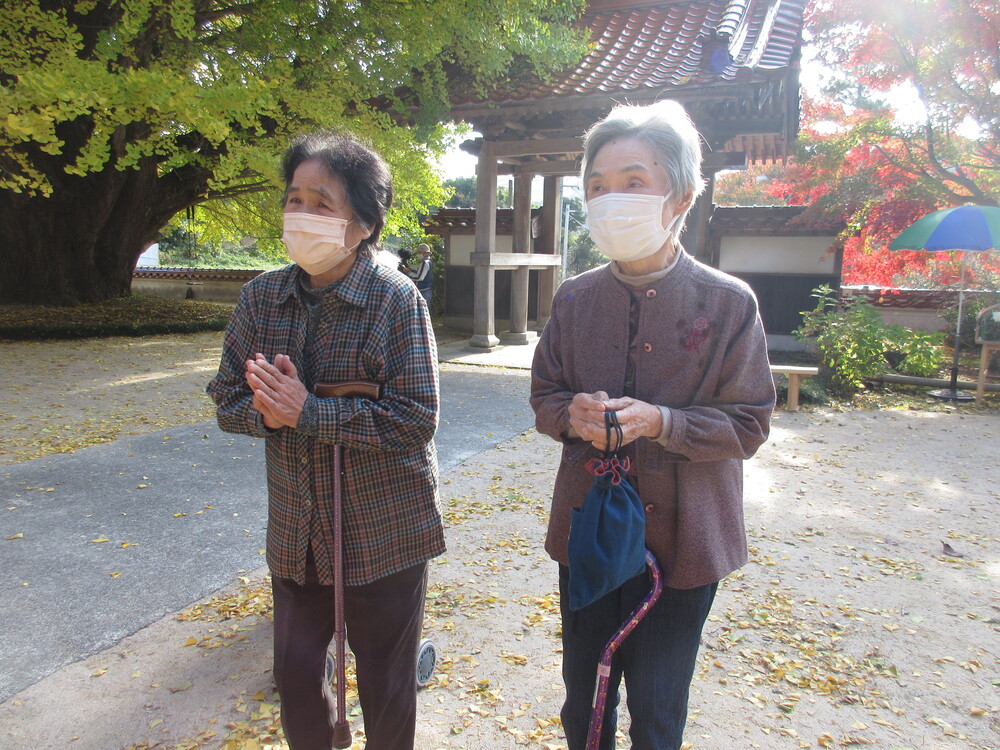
706	362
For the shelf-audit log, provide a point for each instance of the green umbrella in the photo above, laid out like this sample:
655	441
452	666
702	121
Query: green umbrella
965	228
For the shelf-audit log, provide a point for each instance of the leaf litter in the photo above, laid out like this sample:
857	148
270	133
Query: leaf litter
851	626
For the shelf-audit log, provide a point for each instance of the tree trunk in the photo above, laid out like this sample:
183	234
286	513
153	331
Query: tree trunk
80	245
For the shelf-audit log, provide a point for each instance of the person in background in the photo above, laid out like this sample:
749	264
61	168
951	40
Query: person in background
404	261
336	315
677	350
423	276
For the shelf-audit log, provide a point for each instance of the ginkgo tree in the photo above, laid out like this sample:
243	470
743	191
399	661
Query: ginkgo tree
116	115
908	122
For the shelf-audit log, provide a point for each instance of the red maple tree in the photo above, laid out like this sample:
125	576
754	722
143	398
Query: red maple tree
907	123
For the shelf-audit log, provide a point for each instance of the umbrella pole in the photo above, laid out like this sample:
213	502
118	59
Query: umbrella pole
958	328
952	393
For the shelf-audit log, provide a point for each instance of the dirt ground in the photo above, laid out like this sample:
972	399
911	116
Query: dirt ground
869	614
60	395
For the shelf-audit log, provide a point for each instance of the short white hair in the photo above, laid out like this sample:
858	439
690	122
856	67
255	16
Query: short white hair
668	130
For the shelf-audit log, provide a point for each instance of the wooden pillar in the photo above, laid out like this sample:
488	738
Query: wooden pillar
695	237
518	333
549	242
484	289
522	213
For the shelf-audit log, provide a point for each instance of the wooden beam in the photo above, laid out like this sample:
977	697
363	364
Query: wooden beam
484	283
549	243
534	147
522	214
595	105
486	200
514	260
719	160
479	113
549	240
554	168
713	160
472	146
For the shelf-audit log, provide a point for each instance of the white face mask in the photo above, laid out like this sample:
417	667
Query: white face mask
628	226
315	243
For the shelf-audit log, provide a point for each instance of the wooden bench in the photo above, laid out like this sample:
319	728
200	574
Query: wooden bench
984	367
794	375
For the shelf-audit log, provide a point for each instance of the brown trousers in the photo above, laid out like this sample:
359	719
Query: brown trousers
384	620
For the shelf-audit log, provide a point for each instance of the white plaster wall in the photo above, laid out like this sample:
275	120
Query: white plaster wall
917	319
150	257
804	255
784	342
463	245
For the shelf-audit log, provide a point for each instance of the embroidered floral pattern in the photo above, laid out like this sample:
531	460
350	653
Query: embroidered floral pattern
695	335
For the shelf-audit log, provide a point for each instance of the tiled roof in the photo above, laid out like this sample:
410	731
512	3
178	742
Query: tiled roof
678	44
768	219
925	299
463	220
195	274
733	63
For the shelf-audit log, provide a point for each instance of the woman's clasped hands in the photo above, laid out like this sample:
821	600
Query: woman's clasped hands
278	394
637	419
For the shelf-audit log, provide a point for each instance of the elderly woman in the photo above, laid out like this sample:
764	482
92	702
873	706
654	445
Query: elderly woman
336	315
677	350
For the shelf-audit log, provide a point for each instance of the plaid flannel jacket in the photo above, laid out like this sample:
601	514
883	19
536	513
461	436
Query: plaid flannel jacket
373	325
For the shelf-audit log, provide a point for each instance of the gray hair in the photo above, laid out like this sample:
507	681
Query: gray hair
362	173
668	130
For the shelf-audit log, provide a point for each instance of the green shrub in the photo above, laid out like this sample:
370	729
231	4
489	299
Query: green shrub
919	352
849	337
855	345
182	248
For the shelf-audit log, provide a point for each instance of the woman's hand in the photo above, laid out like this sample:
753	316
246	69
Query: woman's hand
586	417
637	418
277	391
271	422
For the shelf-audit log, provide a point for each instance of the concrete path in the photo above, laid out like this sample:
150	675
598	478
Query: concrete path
111	538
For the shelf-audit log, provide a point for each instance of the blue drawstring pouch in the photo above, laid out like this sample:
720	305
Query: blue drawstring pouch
607	535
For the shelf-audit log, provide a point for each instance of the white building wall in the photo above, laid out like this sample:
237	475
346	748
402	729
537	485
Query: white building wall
463	245
150	257
802	255
917	319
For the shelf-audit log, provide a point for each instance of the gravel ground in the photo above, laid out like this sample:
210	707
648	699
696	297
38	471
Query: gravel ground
869	614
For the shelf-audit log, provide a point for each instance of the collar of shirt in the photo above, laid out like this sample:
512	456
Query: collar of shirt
352	289
646	279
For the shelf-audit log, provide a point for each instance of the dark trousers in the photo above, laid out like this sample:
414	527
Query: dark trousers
384	620
657	661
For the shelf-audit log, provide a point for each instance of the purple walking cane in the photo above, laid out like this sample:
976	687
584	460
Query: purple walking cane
604	665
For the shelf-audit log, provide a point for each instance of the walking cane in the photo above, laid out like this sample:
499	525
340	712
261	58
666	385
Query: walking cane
341	729
606	549
349	389
604	665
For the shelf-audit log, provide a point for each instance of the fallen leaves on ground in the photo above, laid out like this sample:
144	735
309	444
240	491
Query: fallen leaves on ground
127	386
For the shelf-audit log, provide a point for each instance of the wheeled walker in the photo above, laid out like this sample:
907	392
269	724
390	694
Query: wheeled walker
426	661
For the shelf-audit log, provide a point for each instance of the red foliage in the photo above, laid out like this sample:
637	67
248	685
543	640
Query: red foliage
857	162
